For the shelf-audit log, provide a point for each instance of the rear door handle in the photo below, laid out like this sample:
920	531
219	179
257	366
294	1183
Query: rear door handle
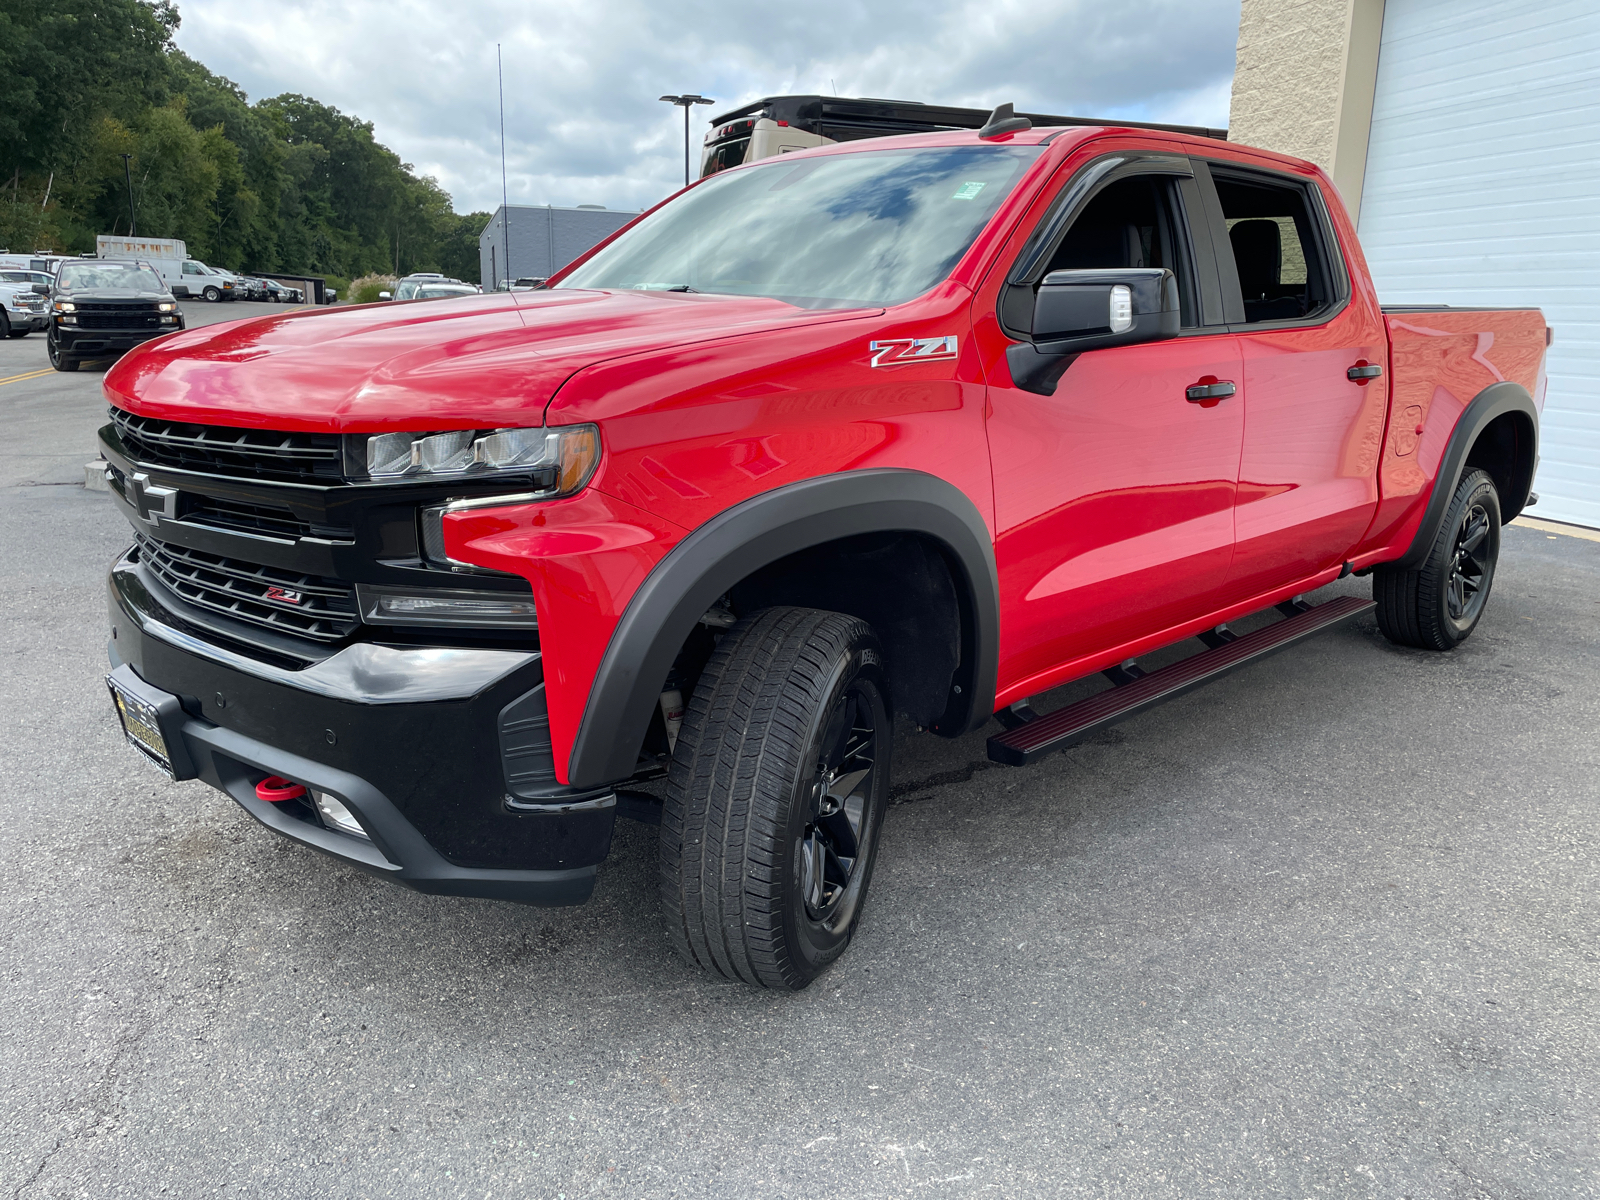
1209	391
1363	371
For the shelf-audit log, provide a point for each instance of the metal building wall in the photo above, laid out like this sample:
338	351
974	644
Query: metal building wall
543	239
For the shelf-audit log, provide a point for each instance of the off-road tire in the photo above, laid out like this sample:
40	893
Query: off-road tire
750	797
58	360
1430	608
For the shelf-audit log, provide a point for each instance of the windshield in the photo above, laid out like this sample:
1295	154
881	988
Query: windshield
132	276
437	291
407	288
868	229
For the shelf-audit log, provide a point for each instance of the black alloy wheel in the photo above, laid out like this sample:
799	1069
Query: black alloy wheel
777	792
1437	605
841	789
58	360
1471	567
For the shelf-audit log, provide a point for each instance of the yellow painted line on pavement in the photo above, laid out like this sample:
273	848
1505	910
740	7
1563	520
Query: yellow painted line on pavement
29	375
1577	531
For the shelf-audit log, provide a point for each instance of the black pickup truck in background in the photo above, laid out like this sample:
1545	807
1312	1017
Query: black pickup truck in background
100	308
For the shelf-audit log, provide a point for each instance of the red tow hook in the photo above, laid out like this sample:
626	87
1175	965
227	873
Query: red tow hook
275	789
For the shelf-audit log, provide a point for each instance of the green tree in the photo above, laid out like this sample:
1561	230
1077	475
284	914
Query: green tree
287	183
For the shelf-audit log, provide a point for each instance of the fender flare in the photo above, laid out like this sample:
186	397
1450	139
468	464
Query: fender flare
1494	401
685	584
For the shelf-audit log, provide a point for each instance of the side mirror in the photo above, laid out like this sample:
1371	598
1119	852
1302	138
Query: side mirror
1076	311
385	296
1107	308
41	289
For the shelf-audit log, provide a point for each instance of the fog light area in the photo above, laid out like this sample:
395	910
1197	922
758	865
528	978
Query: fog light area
336	816
446	606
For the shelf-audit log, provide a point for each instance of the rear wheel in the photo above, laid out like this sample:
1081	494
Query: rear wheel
58	360
1437	606
777	791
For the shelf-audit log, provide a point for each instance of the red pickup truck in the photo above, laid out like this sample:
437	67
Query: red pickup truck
909	429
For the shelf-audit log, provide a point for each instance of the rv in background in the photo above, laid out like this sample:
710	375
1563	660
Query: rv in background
777	125
187	277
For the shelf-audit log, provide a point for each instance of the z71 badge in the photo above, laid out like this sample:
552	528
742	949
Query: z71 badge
894	351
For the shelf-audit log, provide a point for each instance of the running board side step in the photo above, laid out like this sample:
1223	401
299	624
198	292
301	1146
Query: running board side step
1070	725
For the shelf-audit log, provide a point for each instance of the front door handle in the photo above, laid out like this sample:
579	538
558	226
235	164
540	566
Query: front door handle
1363	371
1209	391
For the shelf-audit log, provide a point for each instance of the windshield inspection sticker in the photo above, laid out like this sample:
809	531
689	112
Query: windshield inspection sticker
968	191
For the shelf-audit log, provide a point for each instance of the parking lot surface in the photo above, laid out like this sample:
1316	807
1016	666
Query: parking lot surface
1325	928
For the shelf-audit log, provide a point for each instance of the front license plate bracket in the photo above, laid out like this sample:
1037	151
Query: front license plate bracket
152	722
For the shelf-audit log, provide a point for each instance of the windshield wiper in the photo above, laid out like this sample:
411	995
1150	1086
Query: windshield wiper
681	287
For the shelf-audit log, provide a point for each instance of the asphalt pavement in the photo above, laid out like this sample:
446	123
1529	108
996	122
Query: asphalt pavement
1324	928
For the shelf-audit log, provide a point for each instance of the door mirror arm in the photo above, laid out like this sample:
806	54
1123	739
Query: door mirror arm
1077	311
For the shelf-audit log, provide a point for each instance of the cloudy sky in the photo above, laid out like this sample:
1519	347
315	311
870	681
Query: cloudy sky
583	125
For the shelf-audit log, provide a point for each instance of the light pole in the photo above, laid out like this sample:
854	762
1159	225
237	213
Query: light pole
133	223
686	102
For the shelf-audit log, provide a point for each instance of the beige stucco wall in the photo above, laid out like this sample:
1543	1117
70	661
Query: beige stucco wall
1303	82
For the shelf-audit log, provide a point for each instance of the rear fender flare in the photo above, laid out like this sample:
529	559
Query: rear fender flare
1493	402
685	584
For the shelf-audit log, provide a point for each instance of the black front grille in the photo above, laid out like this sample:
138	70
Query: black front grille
129	319
309	606
225	450
236	516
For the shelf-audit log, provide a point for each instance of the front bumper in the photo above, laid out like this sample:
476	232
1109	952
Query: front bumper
28	319
79	342
413	740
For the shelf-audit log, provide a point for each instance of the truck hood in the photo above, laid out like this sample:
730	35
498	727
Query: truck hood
481	361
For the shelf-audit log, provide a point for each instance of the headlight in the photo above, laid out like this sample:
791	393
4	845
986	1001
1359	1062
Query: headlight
167	307
66	306
562	460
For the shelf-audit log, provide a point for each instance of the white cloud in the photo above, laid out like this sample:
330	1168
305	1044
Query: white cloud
583	124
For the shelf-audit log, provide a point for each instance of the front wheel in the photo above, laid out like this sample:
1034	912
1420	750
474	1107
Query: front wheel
58	360
776	794
212	295
1437	606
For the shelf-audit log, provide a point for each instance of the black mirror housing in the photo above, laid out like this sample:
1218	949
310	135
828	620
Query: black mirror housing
1114	307
1076	311
41	289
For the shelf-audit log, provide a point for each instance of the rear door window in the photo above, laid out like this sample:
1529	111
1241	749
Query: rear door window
1278	249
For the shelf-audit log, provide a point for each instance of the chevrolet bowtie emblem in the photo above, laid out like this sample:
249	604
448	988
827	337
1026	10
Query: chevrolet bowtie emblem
151	501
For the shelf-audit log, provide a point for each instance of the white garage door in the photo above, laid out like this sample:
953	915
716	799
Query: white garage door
1483	187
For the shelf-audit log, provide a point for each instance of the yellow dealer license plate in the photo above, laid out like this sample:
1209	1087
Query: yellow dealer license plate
141	726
